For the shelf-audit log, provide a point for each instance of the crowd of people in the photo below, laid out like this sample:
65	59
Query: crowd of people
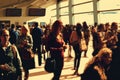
18	47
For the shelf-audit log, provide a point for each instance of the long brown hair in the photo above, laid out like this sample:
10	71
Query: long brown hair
56	25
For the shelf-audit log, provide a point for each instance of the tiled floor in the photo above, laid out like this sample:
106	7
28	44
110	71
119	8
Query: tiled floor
67	73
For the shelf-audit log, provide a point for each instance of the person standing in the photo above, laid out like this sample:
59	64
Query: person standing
9	60
112	43
56	46
86	32
66	35
24	46
13	35
37	34
75	38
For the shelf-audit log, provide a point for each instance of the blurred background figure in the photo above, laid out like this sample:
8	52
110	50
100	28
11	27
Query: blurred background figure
13	34
75	37
25	44
97	67
86	32
37	34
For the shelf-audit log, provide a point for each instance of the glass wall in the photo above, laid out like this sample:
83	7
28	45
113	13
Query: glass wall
63	4
83	11
65	20
64	12
108	11
88	17
108	4
52	13
83	8
111	16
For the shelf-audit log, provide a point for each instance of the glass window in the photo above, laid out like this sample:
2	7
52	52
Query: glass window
110	16
108	4
64	11
53	19
80	1
64	3
53	13
83	8
52	10
88	17
65	19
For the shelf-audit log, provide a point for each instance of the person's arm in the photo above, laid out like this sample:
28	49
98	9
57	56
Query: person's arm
71	36
17	62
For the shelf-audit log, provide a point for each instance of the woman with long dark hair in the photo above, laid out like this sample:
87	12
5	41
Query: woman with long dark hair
56	46
75	37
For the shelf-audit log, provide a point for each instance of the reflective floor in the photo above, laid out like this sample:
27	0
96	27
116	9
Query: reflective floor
67	73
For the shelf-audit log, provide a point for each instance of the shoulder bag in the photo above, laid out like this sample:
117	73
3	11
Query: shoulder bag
82	44
50	64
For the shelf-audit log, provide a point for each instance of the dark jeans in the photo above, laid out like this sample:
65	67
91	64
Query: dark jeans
37	48
77	56
59	67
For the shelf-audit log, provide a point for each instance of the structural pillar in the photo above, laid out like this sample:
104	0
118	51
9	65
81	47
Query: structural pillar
95	12
70	12
58	10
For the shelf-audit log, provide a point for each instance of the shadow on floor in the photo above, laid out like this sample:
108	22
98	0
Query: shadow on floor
68	76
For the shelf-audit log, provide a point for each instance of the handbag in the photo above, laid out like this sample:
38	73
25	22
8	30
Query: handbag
50	65
82	44
27	57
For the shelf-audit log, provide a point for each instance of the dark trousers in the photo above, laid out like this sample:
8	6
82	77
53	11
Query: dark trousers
37	48
77	56
59	67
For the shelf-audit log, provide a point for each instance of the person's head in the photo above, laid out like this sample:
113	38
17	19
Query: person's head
24	30
4	37
85	26
79	29
95	24
57	26
101	27
35	24
104	56
78	26
12	26
107	26
114	26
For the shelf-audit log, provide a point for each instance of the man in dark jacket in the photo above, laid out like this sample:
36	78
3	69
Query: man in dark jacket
37	34
13	35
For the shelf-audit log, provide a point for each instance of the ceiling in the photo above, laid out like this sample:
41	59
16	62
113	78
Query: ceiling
26	3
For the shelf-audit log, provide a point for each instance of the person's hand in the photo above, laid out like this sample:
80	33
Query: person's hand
5	67
65	47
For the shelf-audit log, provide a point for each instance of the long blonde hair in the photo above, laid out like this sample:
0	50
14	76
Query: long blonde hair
99	57
25	28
